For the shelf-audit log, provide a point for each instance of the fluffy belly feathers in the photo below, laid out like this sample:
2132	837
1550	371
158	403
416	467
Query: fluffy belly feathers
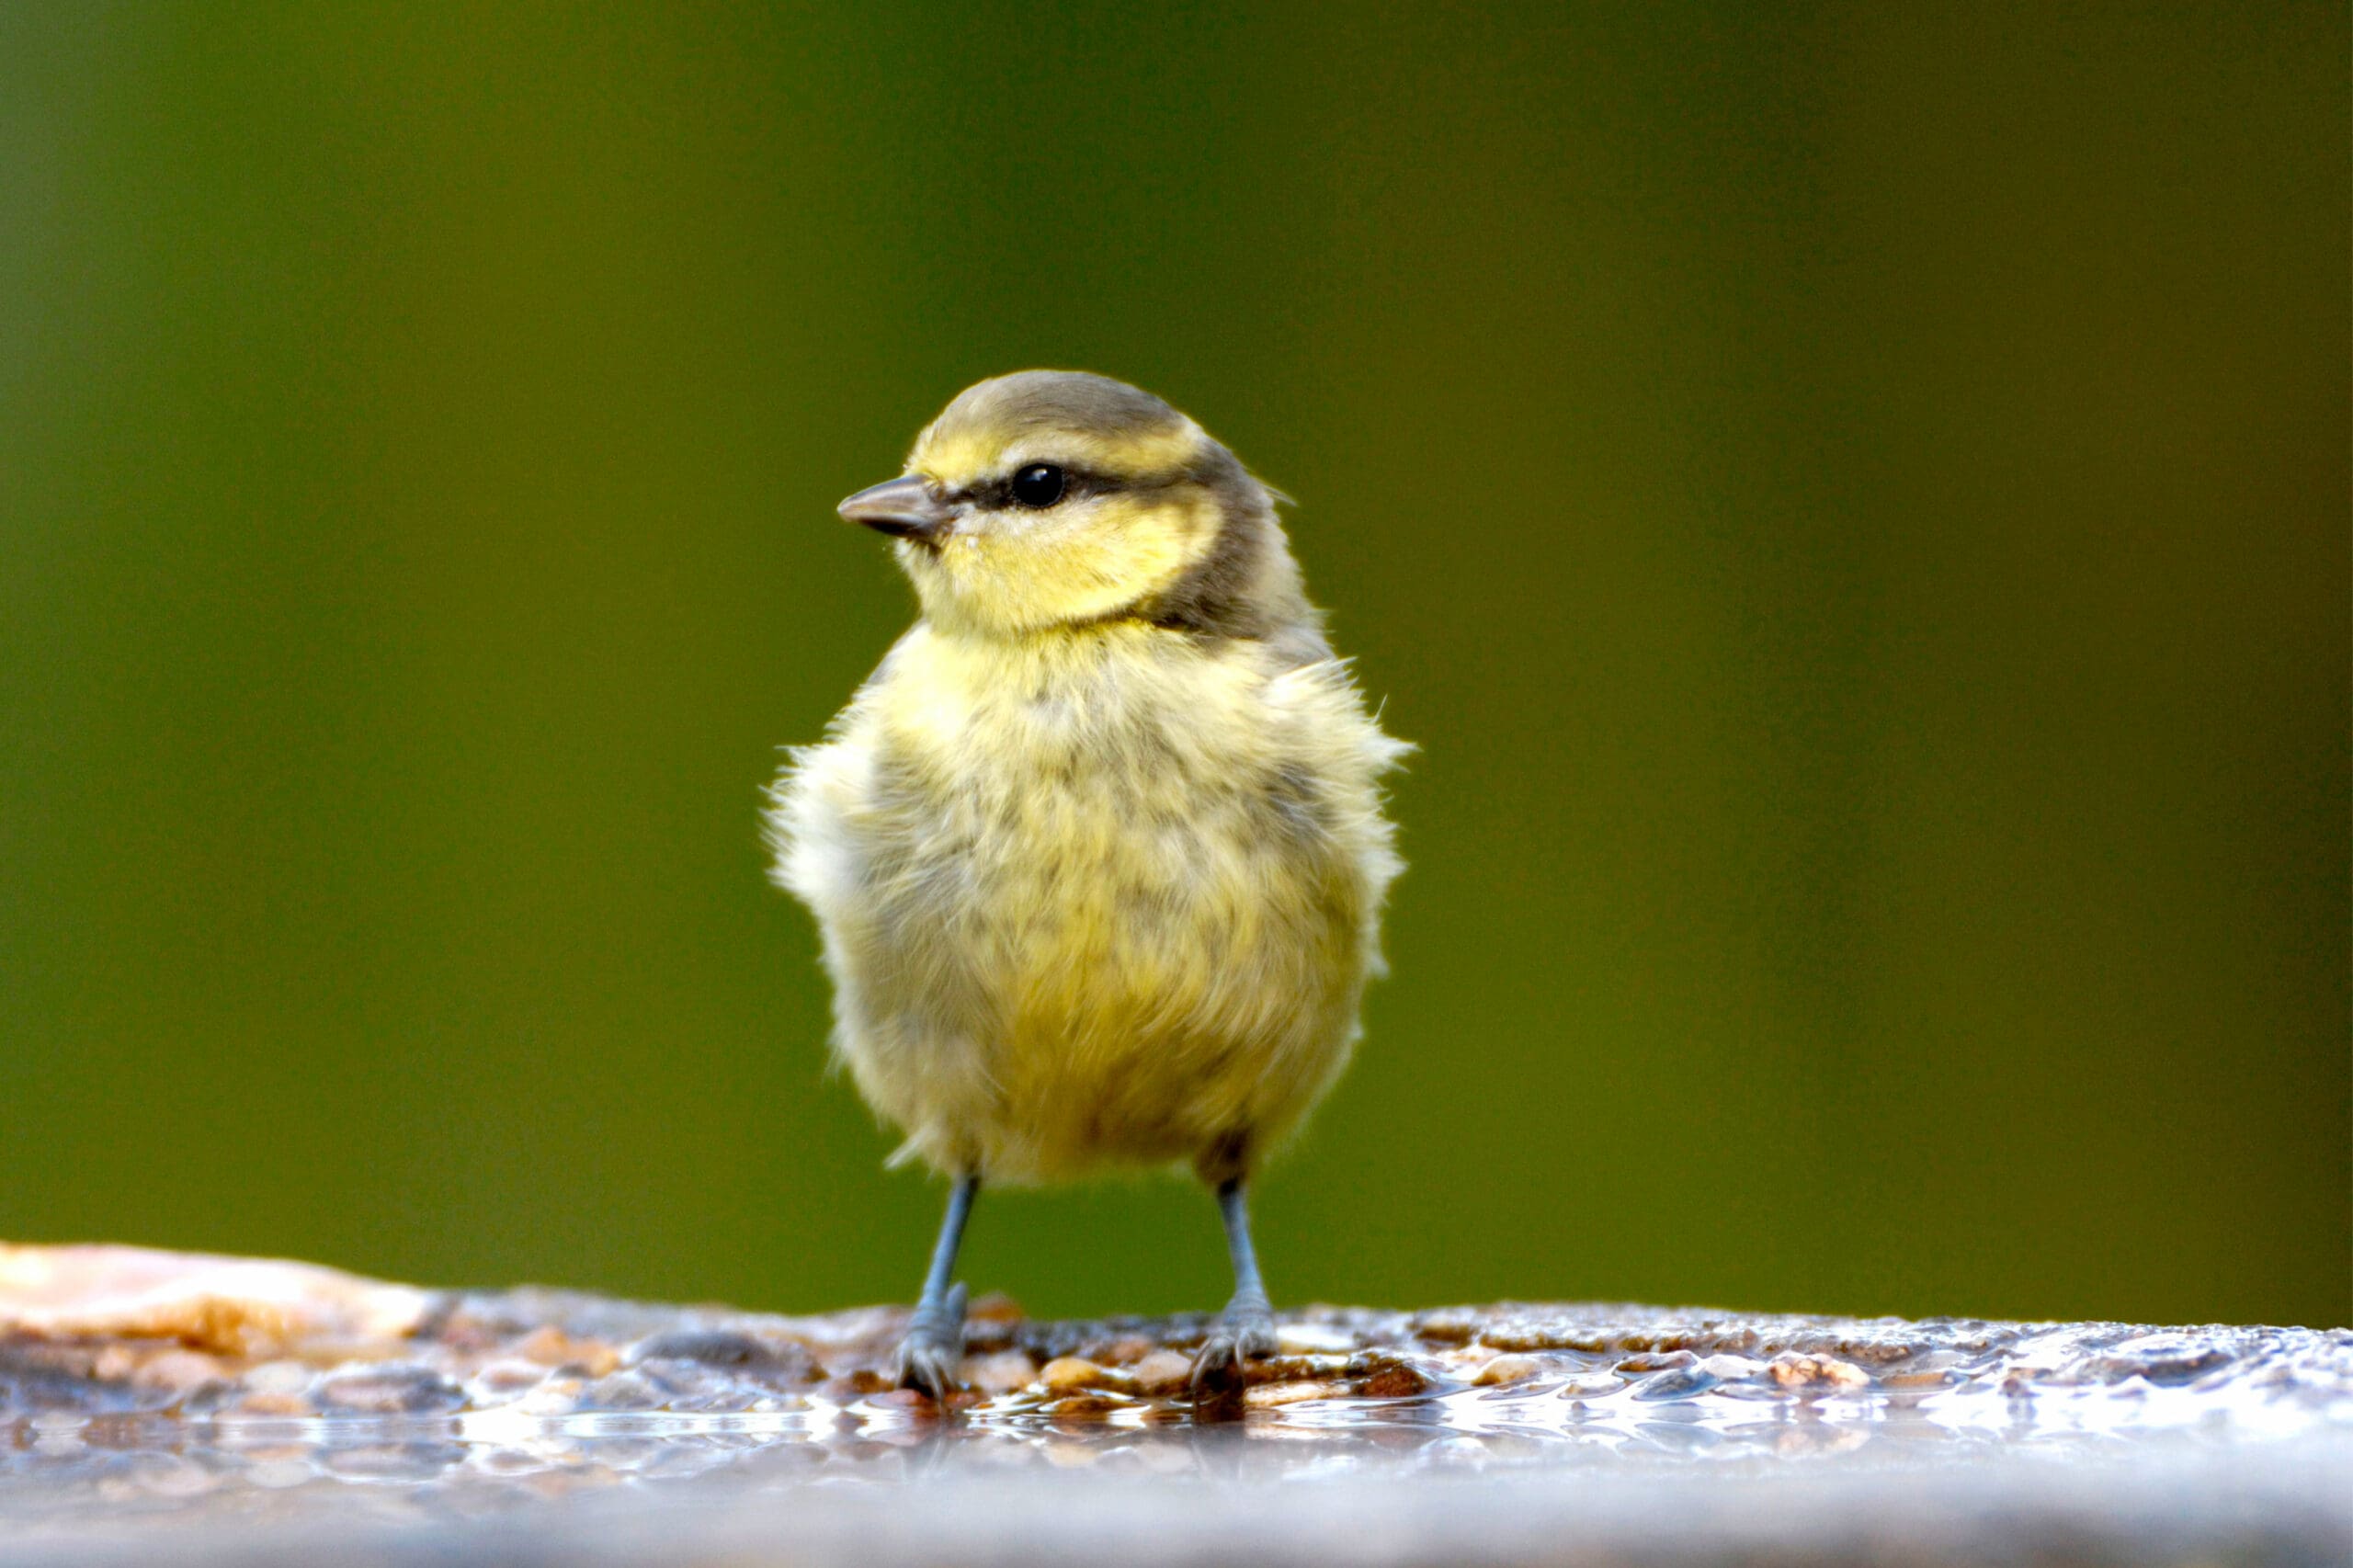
1104	905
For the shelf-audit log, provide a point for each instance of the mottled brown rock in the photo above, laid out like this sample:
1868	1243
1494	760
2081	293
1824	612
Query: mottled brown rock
1162	1371
232	1306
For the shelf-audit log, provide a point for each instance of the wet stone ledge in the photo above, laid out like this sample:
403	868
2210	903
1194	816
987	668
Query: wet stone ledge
263	1411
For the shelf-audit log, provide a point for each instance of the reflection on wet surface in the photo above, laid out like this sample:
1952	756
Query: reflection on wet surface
134	1398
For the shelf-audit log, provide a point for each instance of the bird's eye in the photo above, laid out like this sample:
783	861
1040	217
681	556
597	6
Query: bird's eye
1040	485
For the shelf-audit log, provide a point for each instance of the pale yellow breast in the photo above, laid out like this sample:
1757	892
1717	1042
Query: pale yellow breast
1091	899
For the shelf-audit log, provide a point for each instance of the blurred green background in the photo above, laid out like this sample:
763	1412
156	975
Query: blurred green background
1852	502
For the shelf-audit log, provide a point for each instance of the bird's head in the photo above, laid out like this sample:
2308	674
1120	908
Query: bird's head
1053	498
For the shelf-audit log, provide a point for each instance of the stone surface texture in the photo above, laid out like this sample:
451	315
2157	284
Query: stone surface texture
263	1411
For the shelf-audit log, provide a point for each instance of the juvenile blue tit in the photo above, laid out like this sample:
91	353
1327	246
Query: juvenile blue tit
1097	853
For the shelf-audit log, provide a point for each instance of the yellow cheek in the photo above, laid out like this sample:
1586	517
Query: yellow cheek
1023	579
1133	545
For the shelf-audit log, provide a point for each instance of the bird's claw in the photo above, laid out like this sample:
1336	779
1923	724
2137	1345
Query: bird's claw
933	1348
1245	1330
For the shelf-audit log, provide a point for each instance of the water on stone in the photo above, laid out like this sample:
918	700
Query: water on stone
242	1410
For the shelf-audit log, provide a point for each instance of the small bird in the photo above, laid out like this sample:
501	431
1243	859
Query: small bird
1097	853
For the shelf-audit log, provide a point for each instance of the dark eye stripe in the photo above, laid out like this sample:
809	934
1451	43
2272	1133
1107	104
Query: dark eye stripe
1078	482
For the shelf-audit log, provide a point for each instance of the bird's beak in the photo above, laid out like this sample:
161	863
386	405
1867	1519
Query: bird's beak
903	508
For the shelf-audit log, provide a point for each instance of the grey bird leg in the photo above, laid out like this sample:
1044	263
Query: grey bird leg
1246	1327
933	1346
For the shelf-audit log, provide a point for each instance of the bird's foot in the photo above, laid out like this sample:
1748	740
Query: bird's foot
933	1349
1245	1330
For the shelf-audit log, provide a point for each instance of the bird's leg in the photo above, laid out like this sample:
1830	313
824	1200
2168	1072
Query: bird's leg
934	1345
1246	1327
